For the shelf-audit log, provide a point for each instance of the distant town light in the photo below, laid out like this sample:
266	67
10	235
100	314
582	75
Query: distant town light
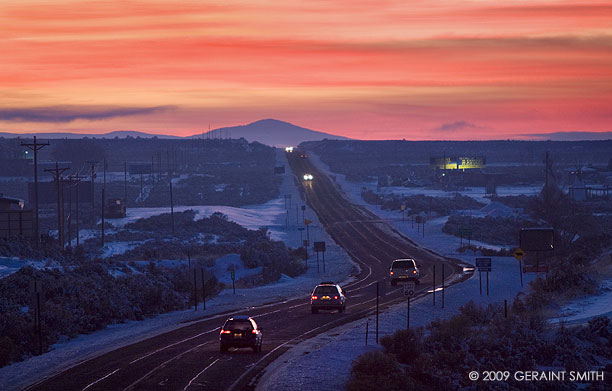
288	149
307	177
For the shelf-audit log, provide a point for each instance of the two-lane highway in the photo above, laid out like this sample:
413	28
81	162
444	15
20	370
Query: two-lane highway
189	359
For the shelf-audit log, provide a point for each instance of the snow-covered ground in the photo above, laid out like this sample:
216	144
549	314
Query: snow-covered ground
283	225
477	193
582	309
302	367
324	362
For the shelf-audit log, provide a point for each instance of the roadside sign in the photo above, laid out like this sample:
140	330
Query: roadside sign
483	264
319	246
464	232
306	221
537	239
233	275
519	254
403	207
409	289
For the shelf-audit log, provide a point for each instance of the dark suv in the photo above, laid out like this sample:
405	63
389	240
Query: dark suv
240	331
327	296
404	270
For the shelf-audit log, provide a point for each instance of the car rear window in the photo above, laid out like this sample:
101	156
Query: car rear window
403	265
326	290
243	325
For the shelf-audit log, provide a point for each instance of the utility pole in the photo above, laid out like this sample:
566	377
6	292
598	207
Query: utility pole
171	207
125	182
35	147
76	179
103	200
546	170
57	176
93	194
69	217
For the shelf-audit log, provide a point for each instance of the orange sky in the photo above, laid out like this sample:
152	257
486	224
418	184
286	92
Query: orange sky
371	69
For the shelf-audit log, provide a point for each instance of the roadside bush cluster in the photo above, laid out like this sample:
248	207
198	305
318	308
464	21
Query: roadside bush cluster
563	278
520	201
481	339
418	204
254	246
85	298
493	230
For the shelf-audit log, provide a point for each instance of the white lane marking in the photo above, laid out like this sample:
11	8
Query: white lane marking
100	379
198	375
164	364
298	305
173	344
276	348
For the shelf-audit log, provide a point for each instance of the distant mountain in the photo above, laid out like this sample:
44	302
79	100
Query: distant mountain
118	133
573	136
266	131
271	132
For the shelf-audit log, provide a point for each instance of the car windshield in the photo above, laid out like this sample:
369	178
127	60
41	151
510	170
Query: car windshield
326	290
403	265
243	325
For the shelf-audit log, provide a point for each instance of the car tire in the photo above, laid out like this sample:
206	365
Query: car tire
314	310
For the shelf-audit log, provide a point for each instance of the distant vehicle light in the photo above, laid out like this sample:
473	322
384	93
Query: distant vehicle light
314	298
391	273
336	297
288	149
253	331
414	272
308	177
225	331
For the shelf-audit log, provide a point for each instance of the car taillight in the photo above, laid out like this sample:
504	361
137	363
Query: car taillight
336	297
414	272
253	331
391	273
225	331
314	298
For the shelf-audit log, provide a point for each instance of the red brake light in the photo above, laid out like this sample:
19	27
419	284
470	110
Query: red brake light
254	331
414	272
225	331
314	298
336	297
391	273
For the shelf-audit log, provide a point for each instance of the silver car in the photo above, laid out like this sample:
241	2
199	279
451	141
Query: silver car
404	270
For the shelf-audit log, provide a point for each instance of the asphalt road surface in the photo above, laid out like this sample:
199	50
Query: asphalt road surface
189	358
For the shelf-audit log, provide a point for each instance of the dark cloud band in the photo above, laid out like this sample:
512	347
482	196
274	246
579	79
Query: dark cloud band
455	126
56	114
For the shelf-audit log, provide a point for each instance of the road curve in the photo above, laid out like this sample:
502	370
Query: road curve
189	359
